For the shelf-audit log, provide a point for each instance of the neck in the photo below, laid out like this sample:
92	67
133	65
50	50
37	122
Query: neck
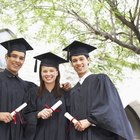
50	86
14	73
82	74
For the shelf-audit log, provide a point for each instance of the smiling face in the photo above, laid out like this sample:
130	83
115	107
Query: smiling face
49	74
80	64
15	61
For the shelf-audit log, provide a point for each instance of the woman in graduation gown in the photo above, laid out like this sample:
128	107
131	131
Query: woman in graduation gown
95	102
49	125
13	90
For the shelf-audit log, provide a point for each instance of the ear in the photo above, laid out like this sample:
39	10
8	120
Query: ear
71	63
6	57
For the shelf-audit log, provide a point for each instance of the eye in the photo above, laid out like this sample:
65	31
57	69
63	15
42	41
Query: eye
15	57
52	70
22	58
74	60
81	59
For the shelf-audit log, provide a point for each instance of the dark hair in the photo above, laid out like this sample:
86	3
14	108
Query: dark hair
41	89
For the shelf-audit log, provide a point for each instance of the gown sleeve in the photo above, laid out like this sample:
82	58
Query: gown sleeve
107	111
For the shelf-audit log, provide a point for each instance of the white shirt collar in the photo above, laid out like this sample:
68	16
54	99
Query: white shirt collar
81	80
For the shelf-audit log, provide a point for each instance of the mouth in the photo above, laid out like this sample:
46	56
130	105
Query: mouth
79	68
16	66
49	77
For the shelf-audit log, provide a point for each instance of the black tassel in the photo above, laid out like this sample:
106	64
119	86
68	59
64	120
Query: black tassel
35	66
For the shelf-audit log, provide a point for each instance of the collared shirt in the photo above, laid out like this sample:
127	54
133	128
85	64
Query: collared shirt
81	80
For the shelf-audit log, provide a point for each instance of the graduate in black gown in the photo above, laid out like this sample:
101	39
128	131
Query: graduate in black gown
12	89
95	102
49	125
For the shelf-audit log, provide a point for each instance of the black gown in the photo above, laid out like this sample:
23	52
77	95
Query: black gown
53	128
12	94
98	101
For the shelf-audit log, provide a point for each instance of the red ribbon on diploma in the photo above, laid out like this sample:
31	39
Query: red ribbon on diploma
15	117
72	119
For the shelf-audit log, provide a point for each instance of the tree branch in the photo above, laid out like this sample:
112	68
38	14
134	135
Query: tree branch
122	19
105	34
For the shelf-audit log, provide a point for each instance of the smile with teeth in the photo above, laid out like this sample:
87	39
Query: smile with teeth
48	77
79	68
16	65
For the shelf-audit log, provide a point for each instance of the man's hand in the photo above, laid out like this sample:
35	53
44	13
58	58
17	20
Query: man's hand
5	117
66	86
82	125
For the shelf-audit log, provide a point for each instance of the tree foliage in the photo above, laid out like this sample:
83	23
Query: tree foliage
110	25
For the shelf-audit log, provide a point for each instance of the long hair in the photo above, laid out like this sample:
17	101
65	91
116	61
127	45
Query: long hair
42	87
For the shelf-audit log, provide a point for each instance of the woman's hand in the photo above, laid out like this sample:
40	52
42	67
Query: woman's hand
45	113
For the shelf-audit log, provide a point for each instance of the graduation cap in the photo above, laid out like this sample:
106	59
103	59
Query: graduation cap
49	59
18	44
78	48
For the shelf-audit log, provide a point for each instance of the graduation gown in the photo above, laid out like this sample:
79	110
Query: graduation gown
53	128
98	101
12	94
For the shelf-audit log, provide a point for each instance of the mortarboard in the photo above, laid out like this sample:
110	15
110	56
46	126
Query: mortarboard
78	48
49	59
18	44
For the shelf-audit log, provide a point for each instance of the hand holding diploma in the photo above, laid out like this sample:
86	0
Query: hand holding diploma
5	117
80	125
18	109
47	112
71	118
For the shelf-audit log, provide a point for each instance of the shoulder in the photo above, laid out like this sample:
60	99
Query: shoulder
2	75
103	76
99	77
30	84
33	89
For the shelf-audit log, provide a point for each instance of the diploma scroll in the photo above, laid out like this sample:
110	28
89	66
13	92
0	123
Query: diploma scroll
18	109
56	105
71	118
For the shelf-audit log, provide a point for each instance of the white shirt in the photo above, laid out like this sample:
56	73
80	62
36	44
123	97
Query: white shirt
81	80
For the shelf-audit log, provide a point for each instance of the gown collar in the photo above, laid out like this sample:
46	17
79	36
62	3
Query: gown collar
10	75
81	80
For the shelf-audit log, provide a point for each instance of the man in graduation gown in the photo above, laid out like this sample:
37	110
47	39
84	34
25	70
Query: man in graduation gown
95	102
12	89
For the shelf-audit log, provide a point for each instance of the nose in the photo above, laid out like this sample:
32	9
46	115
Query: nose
17	59
78	62
48	73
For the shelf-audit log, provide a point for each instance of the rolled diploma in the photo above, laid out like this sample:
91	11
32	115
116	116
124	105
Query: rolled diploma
69	117
19	109
56	105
